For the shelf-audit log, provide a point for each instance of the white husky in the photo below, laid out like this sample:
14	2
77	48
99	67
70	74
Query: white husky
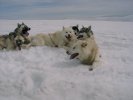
57	39
86	51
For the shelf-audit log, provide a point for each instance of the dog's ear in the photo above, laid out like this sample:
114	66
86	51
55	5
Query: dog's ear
89	28
84	44
83	26
77	26
19	25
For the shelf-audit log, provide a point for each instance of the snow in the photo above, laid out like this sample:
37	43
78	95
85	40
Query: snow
46	73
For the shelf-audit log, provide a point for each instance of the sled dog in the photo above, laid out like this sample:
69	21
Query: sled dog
86	51
15	39
59	39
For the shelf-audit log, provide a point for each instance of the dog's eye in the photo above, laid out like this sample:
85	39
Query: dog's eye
66	32
70	31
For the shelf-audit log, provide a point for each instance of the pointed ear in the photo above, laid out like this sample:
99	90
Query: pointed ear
18	25
63	28
82	26
77	25
22	23
84	44
89	28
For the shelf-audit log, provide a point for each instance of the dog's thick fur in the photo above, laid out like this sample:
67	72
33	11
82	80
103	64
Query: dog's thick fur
6	42
14	40
86	51
85	32
59	39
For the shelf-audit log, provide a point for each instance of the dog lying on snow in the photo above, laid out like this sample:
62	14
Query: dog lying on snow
61	39
15	40
85	48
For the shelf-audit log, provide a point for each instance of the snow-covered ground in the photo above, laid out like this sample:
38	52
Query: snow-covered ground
46	73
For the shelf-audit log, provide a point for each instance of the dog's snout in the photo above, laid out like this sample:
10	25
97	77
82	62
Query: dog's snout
76	33
69	36
29	28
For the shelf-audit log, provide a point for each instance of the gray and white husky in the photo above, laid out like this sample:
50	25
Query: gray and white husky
85	32
14	40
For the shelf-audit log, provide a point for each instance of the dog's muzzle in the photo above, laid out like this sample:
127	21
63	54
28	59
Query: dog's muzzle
74	55
68	37
25	31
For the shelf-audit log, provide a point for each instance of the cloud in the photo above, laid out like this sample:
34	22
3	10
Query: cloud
60	9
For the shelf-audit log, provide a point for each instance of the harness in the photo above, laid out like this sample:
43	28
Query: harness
52	40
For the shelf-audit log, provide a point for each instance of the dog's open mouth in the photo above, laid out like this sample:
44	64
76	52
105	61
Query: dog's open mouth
25	33
74	55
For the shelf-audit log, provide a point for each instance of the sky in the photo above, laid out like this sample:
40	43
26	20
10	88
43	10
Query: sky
66	9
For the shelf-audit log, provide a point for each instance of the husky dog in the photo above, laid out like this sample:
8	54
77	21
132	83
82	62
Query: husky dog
59	39
22	30
10	41
85	32
86	51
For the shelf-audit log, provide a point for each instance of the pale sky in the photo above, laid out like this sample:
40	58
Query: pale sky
66	9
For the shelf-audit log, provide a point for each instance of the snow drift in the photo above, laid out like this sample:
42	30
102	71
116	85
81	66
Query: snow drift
46	73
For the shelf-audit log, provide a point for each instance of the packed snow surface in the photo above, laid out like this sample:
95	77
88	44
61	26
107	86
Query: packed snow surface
47	73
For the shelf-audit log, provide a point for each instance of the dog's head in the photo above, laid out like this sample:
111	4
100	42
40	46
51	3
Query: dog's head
85	32
68	33
77	50
76	30
22	29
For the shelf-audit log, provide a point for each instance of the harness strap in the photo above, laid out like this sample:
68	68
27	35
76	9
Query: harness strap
53	41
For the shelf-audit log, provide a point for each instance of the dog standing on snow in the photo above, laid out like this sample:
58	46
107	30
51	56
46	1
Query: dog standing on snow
59	39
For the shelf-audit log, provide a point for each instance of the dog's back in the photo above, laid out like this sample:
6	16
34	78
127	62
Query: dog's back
6	42
2	43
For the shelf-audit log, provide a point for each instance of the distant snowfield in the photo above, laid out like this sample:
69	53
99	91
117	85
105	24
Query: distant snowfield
46	73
